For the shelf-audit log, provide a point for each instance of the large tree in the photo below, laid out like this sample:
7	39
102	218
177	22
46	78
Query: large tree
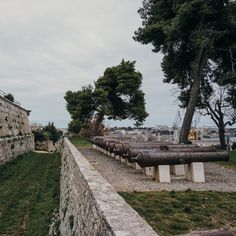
190	34
116	95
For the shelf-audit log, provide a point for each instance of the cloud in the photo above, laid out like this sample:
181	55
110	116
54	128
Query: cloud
51	46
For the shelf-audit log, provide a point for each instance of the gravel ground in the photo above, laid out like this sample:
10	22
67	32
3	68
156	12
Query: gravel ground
125	178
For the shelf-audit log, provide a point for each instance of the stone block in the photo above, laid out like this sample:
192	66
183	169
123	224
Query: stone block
162	173
148	171
195	172
177	170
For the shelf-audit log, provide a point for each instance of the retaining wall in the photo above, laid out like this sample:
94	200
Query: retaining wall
15	133
89	205
13	119
14	146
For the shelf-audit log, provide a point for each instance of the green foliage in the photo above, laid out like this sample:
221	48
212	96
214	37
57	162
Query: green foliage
10	97
80	104
52	132
49	132
198	41
40	136
117	95
74	126
29	194
173	213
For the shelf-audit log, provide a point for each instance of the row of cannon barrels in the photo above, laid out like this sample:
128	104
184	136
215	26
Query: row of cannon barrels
148	154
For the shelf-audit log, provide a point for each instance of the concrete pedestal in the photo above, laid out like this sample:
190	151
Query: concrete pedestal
118	157
137	166
162	173
195	172
177	170
149	171
123	160
129	164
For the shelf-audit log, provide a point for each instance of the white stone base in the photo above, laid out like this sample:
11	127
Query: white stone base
123	160
137	166
195	172
118	157
129	164
177	170
162	173
149	171
113	155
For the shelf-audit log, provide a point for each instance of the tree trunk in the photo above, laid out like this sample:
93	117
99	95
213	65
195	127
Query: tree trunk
98	122
222	138
221	127
197	69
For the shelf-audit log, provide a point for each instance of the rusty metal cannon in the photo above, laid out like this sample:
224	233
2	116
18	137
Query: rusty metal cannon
134	152
179	146
122	148
147	159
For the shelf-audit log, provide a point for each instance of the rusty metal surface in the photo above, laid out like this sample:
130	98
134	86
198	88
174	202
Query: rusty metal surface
146	159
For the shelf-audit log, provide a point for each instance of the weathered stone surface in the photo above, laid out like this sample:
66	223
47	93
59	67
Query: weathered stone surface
15	133
14	146
89	205
13	119
45	146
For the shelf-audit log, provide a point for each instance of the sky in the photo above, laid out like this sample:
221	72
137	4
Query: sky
48	47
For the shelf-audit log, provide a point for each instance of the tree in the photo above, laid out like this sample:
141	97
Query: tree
117	95
74	126
190	34
221	112
10	97
52	132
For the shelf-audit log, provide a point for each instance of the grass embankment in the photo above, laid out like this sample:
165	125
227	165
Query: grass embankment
80	142
172	213
232	161
29	194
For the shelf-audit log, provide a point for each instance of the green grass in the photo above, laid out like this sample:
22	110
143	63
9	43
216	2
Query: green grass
232	161
172	213
29	194
80	142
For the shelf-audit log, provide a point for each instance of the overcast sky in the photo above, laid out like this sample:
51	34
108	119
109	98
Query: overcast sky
48	47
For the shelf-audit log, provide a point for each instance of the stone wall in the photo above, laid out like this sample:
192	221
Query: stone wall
12	147
15	133
13	119
89	205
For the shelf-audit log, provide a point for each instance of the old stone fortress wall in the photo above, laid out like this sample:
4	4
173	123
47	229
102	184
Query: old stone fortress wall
15	133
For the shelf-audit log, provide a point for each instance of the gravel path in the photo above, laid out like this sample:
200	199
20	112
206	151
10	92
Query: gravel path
125	178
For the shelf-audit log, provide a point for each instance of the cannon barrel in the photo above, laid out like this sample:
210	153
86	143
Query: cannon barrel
168	146
193	149
146	159
134	152
122	148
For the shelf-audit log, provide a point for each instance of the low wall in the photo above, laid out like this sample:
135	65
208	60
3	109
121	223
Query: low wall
89	205
14	146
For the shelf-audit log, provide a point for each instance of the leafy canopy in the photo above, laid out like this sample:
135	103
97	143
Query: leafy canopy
116	94
179	29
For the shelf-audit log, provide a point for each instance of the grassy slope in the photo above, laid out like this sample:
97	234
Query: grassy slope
171	213
29	193
80	142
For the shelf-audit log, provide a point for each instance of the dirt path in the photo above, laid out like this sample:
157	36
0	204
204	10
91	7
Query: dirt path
125	178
